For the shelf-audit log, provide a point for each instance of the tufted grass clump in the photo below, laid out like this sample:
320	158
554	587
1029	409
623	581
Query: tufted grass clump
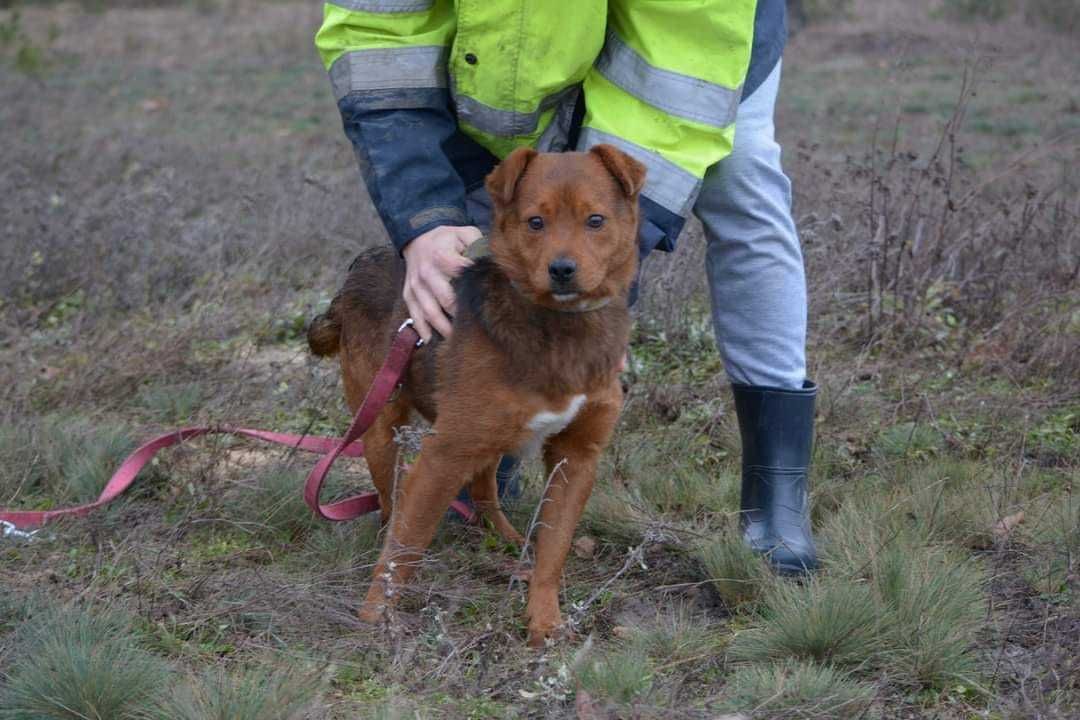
796	689
733	570
825	620
276	504
249	694
622	675
932	607
343	546
78	665
172	403
67	458
679	635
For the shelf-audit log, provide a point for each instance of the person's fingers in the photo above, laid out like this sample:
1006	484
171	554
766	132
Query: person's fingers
434	315
466	236
417	314
440	287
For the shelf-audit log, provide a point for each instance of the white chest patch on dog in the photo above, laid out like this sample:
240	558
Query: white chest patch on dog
545	424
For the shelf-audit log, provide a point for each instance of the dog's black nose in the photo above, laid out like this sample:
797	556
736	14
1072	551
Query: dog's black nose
562	269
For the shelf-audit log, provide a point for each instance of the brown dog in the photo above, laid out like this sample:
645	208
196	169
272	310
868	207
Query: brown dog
541	328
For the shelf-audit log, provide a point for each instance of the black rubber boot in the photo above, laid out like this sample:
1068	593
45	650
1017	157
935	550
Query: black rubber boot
777	428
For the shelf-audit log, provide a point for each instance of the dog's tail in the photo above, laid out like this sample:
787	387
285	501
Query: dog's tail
324	333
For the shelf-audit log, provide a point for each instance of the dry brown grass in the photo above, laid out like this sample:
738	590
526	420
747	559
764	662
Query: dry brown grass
177	198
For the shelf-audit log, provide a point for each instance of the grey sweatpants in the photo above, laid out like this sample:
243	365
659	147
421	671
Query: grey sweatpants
754	260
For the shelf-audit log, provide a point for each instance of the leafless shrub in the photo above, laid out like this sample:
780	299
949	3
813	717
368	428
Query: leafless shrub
983	269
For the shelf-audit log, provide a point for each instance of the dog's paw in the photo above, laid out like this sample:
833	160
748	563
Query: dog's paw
547	634
372	613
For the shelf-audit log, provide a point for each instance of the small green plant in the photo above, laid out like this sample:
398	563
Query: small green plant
679	636
172	403
343	545
796	689
252	694
825	620
78	665
621	675
736	573
909	440
277	505
66	458
932	607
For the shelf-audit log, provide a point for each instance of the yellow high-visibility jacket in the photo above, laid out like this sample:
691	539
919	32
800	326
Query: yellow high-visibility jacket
433	92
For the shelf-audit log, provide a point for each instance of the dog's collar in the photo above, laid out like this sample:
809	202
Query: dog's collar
583	306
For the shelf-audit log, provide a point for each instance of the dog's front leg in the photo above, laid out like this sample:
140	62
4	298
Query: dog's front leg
571	459
440	471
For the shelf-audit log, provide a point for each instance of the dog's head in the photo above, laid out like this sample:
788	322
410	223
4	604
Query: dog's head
565	224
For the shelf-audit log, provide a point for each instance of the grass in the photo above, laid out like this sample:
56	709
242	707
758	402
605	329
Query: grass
252	694
63	457
73	664
159	265
621	675
734	571
796	689
824	620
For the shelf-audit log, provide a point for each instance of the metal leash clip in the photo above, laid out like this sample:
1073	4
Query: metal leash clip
409	323
11	531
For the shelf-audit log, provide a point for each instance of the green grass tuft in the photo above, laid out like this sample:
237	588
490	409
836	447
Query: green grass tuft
796	689
621	675
277	504
932	607
736	573
680	635
826	620
252	694
77	665
172	403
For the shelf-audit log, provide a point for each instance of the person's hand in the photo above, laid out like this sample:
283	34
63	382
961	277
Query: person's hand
431	260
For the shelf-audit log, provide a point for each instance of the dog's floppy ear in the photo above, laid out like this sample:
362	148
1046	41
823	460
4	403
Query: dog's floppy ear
628	171
503	180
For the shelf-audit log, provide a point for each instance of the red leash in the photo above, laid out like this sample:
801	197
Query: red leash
382	387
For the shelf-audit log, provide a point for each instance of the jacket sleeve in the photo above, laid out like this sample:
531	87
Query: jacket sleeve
666	89
387	65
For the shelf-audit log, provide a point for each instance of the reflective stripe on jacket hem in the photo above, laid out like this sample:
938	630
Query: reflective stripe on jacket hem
506	123
385	6
389	69
666	183
676	94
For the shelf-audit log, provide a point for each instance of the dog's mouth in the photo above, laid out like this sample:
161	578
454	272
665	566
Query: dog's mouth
565	297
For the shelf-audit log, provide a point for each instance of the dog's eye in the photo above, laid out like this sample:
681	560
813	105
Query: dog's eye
595	221
536	223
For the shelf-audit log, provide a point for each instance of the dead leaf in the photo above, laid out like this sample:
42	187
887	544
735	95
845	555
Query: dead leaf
1007	524
621	631
585	547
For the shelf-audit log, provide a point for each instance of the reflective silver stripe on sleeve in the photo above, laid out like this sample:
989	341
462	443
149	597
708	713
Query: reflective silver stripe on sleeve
676	94
666	183
505	123
385	6
389	69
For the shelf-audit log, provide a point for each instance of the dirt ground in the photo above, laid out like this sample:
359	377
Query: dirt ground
177	200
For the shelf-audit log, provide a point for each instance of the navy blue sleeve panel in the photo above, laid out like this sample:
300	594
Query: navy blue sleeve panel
401	139
770	37
659	227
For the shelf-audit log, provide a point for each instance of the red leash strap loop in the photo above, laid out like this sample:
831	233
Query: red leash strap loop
382	387
397	361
